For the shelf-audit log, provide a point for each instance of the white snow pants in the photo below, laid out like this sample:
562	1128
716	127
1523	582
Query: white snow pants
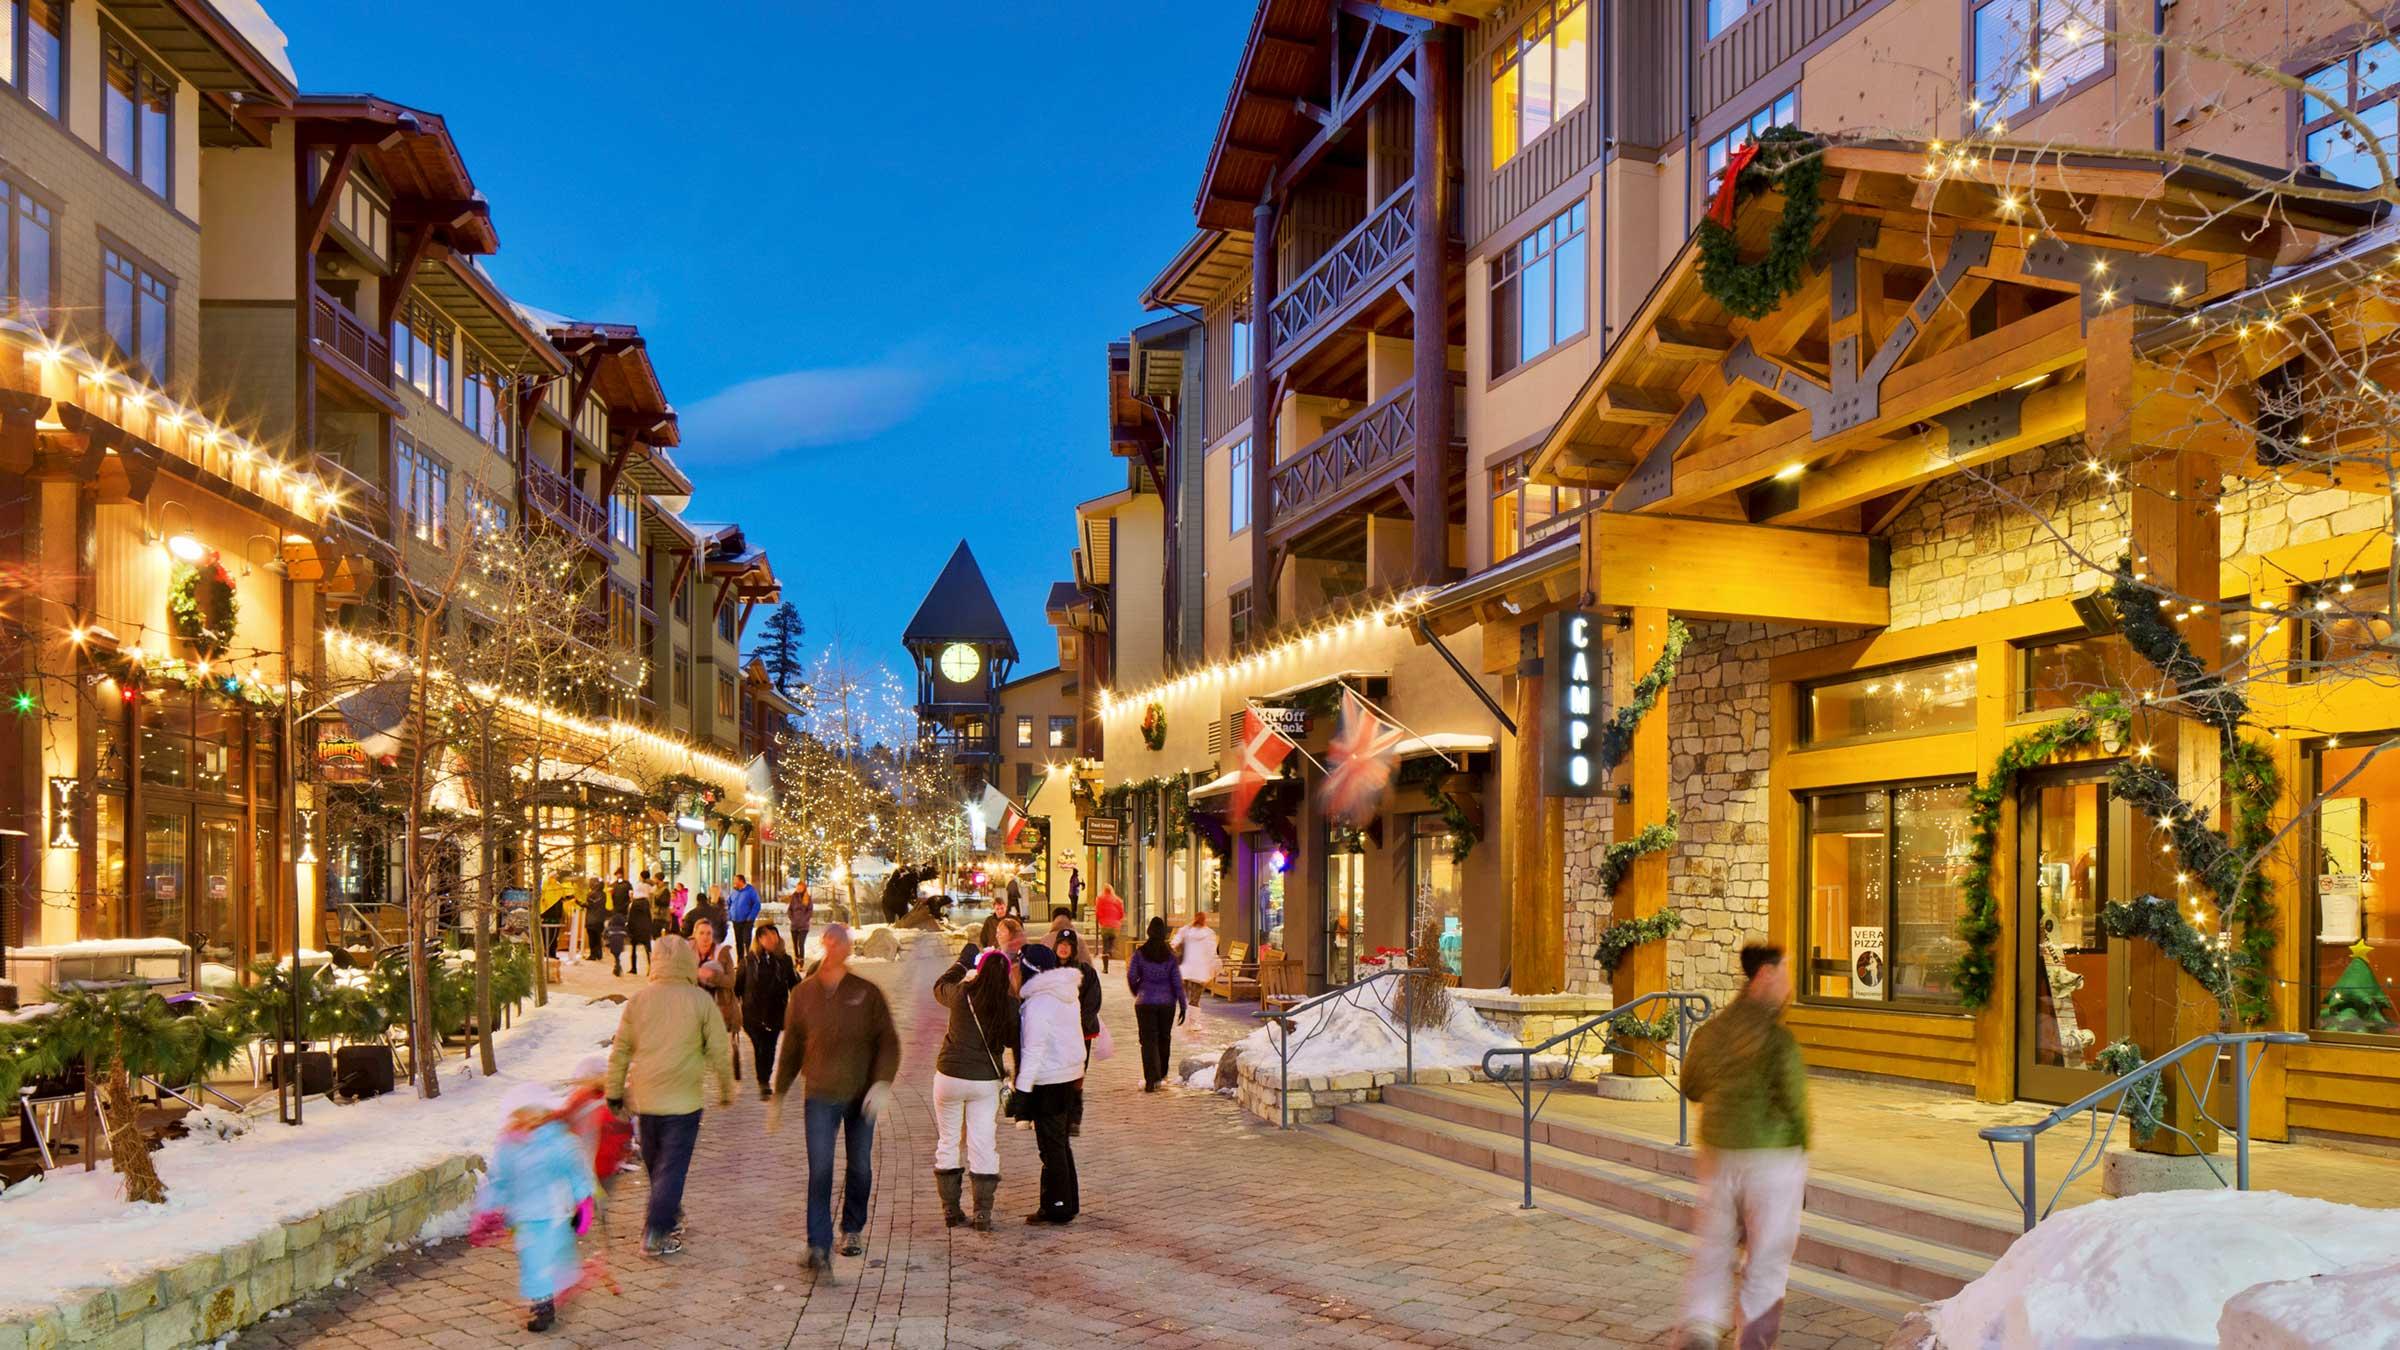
965	1105
1749	1198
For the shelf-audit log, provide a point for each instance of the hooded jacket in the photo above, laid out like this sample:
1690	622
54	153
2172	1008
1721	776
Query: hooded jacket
765	982
1050	1029
669	1039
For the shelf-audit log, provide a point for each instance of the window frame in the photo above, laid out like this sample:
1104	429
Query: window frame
1713	28
1238	344
1509	482
1806	709
17	197
118	51
1804	987
1025	731
19	40
2040	100
2021	654
1240	464
143	278
421	491
1237	618
441	364
1745	128
2311	885
1509	57
2346	55
482	400
1569	226
1062	732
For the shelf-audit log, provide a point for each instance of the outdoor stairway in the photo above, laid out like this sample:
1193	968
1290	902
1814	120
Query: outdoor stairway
1890	1240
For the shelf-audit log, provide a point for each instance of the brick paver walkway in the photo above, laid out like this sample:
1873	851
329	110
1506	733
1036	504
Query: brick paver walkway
1199	1228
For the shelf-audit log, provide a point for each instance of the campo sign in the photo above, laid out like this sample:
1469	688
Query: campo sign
1571	721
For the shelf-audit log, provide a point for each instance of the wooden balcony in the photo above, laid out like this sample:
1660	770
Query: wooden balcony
1368	453
356	357
1359	267
556	497
362	503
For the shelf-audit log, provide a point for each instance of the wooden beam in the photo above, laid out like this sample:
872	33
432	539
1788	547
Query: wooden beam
1718	569
1676	340
416	247
2040	418
1639	407
319	214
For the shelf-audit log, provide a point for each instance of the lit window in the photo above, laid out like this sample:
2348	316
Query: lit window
1539	289
1783	112
1541	77
1025	733
27	267
2361	84
1062	733
137	109
1883	871
2014	71
1896	701
1526	513
133	308
33	39
1237	512
2354	952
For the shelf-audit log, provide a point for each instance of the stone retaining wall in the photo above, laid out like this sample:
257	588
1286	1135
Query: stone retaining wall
1313	1099
209	1296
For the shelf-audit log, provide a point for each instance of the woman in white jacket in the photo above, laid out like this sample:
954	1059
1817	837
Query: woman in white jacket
1196	947
1049	1060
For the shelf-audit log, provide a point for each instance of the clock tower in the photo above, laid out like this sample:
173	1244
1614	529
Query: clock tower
963	653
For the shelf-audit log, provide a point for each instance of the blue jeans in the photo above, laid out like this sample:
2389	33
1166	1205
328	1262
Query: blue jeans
825	1120
666	1156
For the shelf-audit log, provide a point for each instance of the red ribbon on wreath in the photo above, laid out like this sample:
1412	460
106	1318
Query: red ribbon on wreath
1720	207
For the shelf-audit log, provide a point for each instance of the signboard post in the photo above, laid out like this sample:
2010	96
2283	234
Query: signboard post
1576	708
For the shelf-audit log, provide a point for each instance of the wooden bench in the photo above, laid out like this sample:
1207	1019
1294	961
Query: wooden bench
1237	975
1281	980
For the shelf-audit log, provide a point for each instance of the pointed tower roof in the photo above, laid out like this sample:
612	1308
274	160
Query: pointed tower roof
960	608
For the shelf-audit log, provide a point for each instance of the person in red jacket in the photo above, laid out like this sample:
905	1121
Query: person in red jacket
1109	910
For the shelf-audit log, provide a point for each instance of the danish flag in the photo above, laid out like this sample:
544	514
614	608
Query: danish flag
1359	764
1012	824
1263	751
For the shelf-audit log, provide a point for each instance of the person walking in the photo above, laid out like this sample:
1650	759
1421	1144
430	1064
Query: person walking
741	909
595	916
614	931
840	1042
1158	1000
979	990
1109	911
1196	946
677	903
1050	1049
670	1044
764	983
802	912
641	927
620	893
540	1190
1069	946
719	973
1743	1068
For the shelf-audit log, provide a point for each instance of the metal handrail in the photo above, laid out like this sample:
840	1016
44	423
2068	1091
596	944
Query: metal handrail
1345	993
1521	1085
2095	1137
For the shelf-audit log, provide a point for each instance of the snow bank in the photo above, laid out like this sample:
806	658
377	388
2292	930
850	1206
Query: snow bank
72	1232
2355	1309
1346	1037
2157	1270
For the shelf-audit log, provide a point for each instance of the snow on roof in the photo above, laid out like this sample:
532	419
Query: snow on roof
249	19
539	319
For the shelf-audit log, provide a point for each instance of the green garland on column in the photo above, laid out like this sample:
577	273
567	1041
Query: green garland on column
1790	159
1973	973
2157	919
1616	738
1617	859
1426	776
1619	938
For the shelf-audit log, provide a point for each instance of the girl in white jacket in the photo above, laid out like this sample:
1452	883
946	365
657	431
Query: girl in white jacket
1049	1060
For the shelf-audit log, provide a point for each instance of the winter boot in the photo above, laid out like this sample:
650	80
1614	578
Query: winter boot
987	1187
945	1180
545	1316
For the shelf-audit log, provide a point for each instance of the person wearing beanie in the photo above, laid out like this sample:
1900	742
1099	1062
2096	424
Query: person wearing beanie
764	984
1069	946
539	1190
1156	979
1050	1055
840	1043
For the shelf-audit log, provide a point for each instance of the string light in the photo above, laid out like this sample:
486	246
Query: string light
1353	622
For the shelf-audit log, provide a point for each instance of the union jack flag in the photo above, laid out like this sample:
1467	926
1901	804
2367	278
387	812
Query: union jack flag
1359	763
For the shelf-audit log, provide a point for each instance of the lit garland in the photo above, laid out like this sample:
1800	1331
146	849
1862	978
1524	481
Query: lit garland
2159	920
1616	738
1464	829
201	604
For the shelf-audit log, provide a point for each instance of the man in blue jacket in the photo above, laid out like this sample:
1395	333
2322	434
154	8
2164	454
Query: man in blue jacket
741	908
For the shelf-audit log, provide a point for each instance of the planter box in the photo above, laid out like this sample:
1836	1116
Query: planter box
316	1072
363	1070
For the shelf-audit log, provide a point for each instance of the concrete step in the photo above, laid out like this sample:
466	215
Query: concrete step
1870	1256
1985	1231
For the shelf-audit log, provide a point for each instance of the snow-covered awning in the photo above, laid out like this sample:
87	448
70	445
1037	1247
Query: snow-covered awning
586	775
1319	681
1443	743
1215	787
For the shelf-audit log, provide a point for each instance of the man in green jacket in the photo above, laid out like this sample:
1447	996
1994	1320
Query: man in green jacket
1743	1067
670	1040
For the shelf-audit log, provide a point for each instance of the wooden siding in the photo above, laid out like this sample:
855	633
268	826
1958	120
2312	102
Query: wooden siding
2344	1089
1225	405
1926	1047
1772	33
1498	196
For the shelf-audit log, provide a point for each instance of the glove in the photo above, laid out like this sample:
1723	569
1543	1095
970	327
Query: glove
616	1106
876	1097
775	1115
583	1216
1182	1015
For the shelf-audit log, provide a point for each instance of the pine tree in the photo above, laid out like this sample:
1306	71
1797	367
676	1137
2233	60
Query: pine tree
779	647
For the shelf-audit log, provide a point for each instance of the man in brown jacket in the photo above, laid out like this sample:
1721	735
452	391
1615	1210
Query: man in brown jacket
838	1038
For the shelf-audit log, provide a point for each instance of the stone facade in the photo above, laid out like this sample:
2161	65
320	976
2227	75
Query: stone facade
210	1297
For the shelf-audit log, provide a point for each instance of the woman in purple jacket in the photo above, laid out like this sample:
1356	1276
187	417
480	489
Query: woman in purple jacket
1156	979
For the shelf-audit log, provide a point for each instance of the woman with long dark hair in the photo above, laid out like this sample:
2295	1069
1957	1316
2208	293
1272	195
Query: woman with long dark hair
1156	979
979	990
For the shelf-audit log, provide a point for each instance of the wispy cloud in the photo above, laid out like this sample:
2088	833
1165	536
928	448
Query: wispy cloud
803	409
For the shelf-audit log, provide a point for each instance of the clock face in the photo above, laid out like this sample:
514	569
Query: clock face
960	662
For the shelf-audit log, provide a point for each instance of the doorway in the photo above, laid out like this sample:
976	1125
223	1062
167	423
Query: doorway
192	866
1345	910
2073	838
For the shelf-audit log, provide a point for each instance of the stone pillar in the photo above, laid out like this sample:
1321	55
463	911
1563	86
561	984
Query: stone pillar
1429	285
1641	782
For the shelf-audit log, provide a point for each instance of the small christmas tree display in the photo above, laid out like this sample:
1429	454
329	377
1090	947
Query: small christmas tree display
2356	1003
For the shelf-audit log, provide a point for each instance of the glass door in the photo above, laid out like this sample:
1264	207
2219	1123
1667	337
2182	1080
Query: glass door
166	872
217	930
1345	907
2073	861
1435	913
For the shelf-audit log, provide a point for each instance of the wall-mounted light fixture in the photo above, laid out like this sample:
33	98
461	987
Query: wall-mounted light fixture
307	820
66	802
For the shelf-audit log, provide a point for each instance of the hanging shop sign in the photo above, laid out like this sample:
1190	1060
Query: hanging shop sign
341	758
1868	968
1572	721
1103	831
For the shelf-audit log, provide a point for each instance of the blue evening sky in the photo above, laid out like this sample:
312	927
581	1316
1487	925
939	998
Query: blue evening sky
878	250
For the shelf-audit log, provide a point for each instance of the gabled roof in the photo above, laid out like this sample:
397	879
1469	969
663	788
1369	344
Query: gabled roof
960	608
418	162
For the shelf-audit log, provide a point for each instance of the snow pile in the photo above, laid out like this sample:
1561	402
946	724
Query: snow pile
447	1225
73	1232
2354	1309
1346	1037
2158	1270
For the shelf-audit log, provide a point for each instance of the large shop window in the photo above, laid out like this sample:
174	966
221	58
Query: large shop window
2362	84
1882	874
2350	628
2060	672
2031	53
1538	290
1540	77
137	113
27	265
1896	701
2354	955
33	51
1435	893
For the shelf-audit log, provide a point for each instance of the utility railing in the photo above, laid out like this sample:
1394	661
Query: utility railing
2140	1091
1688	1009
1384	1003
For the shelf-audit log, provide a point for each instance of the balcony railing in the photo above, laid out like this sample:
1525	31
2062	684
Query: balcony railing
1378	438
347	337
356	499
562	501
1364	256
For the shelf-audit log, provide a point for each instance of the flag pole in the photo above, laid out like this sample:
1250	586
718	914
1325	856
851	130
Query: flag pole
1252	705
1373	707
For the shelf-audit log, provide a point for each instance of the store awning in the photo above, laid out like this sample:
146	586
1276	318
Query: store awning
1214	787
1320	681
1443	743
586	775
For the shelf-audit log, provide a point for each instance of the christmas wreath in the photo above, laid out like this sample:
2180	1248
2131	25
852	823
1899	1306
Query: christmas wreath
1154	727
201	604
1779	157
